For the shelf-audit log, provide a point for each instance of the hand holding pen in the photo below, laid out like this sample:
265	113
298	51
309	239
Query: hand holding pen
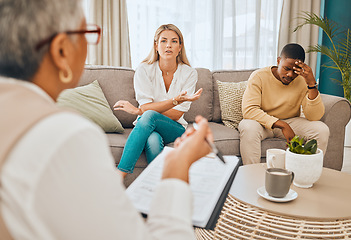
188	148
213	147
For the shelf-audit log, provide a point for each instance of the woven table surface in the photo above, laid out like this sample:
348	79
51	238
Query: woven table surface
239	220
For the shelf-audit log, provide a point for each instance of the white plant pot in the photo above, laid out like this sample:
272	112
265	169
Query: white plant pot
307	168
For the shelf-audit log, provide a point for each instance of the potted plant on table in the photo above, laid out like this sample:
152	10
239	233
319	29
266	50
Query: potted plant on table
305	159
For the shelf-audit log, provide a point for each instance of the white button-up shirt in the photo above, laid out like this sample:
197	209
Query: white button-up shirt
149	85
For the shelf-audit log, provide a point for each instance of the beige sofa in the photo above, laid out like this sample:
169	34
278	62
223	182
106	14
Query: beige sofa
117	84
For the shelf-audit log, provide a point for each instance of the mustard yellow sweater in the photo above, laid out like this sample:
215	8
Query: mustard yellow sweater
267	100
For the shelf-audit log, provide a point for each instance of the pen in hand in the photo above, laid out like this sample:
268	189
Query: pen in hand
213	147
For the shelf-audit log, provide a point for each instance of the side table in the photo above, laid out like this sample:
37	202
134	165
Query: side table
320	212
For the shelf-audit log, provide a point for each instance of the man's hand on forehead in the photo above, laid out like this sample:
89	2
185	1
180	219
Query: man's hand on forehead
300	68
305	71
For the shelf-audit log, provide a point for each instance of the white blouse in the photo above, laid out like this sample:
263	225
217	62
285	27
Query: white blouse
149	85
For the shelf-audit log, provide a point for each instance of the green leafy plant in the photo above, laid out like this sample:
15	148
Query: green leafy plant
340	51
297	145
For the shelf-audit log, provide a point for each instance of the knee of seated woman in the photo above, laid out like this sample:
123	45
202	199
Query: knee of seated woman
154	137
154	146
154	143
148	115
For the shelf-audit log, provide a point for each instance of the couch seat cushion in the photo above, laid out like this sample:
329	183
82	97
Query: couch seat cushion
226	139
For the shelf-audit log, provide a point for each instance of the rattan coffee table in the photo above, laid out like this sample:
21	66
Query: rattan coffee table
320	212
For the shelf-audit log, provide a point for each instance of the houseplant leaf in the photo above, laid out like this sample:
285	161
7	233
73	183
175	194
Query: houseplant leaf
339	52
311	146
299	149
296	145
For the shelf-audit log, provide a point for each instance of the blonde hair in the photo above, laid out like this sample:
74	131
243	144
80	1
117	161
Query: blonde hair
154	56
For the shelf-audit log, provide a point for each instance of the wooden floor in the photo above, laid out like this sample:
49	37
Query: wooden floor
347	160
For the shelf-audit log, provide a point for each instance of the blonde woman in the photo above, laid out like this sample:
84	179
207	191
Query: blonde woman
164	85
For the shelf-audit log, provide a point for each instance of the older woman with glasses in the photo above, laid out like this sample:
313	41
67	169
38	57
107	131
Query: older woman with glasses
57	175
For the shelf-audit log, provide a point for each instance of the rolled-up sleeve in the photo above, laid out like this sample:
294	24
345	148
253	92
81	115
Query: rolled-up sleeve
313	109
189	87
143	86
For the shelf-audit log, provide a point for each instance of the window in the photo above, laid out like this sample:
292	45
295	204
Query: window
218	34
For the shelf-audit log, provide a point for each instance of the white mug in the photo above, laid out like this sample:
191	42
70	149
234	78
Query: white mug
275	158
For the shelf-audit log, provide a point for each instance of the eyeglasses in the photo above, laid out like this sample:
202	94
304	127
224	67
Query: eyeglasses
92	34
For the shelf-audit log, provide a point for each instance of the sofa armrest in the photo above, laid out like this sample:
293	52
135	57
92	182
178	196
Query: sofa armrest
337	115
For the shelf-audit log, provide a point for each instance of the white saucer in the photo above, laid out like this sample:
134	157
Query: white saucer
289	197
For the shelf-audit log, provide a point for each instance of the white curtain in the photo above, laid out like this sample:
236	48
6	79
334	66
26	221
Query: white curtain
114	47
219	34
305	36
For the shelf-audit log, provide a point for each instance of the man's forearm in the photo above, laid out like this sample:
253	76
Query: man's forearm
286	129
260	116
280	124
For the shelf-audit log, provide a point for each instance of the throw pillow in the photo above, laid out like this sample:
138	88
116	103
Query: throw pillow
90	101
230	98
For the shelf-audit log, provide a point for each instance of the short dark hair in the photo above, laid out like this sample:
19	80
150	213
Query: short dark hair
293	50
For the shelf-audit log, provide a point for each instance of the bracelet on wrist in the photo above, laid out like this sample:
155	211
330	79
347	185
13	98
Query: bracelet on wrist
175	102
313	87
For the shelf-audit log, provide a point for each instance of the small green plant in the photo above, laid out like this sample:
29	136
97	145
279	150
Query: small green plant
297	145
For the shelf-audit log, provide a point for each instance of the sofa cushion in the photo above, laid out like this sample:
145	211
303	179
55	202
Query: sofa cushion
117	84
230	98
202	106
226	139
90	101
226	76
